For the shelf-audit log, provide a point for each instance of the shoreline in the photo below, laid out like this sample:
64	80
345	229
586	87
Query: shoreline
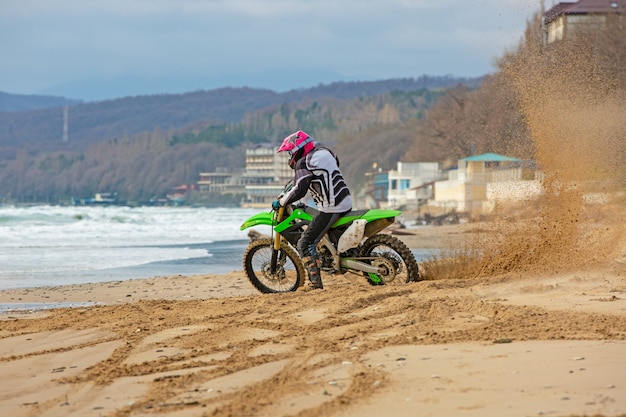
175	286
218	257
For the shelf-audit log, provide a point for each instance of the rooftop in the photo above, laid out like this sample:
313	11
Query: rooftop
585	7
490	157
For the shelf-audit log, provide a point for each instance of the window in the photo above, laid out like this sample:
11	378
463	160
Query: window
405	184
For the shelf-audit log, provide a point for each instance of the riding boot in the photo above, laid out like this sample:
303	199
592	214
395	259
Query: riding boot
312	265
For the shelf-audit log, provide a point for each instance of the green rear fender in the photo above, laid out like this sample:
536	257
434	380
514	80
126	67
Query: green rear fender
370	216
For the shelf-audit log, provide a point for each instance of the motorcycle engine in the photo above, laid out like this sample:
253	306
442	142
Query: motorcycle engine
326	259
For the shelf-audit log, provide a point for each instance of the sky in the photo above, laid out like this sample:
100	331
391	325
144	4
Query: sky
99	49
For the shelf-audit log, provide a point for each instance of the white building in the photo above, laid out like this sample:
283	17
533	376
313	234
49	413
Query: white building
265	174
270	171
481	182
406	183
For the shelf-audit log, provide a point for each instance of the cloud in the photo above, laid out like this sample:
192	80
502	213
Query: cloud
46	42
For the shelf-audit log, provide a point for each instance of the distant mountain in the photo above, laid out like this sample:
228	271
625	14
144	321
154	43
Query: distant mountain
89	123
17	102
111	119
134	85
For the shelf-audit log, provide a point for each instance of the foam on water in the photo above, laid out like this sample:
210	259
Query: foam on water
52	245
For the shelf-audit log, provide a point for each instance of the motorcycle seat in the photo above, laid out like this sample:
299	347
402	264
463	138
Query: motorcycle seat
355	214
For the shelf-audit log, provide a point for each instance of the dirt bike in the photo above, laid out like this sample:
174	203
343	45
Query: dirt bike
353	244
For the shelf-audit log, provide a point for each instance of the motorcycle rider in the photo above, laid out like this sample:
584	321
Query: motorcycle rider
317	171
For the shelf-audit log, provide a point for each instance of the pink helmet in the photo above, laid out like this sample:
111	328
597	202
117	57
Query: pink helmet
298	144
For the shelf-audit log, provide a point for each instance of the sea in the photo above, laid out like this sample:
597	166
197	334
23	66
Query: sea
44	246
60	245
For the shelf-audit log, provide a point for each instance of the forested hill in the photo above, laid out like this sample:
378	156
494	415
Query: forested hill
113	119
141	147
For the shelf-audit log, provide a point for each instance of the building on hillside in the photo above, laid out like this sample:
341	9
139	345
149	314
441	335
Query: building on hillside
180	193
406	183
224	182
220	182
375	190
267	172
263	161
566	19
264	176
481	182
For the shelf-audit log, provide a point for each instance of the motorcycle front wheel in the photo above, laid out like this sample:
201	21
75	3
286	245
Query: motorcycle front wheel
394	251
288	275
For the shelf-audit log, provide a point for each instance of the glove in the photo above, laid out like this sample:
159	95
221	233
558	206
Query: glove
276	205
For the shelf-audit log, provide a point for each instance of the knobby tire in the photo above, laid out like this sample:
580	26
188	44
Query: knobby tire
290	273
395	244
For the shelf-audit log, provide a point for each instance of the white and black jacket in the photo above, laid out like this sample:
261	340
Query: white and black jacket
318	172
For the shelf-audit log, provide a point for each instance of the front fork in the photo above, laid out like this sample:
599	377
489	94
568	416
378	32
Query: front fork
276	247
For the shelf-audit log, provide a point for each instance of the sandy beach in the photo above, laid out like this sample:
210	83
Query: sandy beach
515	344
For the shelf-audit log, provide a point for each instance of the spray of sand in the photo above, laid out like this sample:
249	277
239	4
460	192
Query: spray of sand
576	115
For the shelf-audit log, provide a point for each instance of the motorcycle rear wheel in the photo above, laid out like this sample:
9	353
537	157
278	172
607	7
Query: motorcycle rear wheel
289	274
394	250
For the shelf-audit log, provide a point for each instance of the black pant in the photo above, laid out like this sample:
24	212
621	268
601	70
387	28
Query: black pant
315	232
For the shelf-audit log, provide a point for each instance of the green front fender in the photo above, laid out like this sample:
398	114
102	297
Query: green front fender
259	218
267	219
